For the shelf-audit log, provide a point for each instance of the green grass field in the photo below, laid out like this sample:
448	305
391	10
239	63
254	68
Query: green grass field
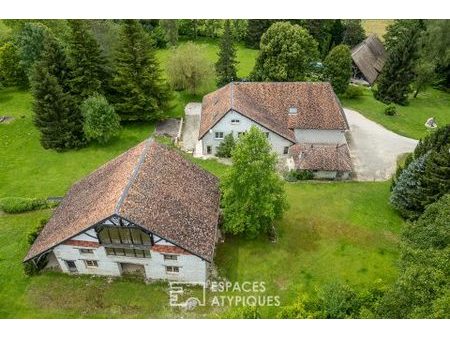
344	231
410	119
376	26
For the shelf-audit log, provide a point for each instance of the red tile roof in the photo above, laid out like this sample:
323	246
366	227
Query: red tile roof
326	157
149	185
268	103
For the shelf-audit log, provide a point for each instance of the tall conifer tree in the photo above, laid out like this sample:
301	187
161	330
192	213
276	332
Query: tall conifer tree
140	93
401	41
87	62
226	65
56	114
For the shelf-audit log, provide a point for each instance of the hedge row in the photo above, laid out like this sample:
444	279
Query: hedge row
15	205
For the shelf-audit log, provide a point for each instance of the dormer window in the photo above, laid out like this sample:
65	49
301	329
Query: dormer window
292	110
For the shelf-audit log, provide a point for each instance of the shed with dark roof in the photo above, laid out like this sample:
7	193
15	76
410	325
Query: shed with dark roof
368	59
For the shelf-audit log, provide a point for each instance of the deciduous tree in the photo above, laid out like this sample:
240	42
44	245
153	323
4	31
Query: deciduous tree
253	193
286	54
188	68
100	120
338	68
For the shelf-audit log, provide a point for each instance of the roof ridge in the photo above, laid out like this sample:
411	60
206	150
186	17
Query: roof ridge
136	168
231	95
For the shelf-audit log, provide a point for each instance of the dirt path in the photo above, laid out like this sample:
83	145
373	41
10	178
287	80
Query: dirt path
373	148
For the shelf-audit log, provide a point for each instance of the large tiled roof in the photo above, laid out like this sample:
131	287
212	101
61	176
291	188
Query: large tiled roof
149	185
327	157
369	56
268	104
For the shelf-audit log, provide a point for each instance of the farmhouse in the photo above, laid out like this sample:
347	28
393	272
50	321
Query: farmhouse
368	60
289	113
148	211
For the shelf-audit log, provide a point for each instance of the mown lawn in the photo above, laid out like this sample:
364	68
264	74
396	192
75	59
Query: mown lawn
410	119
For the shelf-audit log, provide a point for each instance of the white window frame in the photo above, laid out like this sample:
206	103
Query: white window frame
235	121
91	263
170	269
169	257
218	132
87	251
292	110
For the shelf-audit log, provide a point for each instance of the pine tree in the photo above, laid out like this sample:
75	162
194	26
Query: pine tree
407	194
436	179
226	65
87	63
255	30
353	32
140	93
56	114
401	41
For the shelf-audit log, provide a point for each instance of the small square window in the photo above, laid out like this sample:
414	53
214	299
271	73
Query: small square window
170	257
292	110
267	134
91	264
172	269
235	121
86	251
286	150
219	135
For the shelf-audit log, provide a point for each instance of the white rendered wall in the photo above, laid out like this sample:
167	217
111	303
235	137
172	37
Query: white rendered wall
225	126
320	136
192	268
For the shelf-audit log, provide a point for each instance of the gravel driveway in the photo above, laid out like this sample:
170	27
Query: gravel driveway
191	126
373	148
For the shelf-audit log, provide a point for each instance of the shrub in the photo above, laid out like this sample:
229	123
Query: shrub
100	120
15	205
35	233
390	109
31	269
353	92
226	146
298	175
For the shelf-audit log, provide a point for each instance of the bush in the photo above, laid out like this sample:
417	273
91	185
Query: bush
15	205
35	233
390	109
298	175
226	147
353	92
100	120
31	269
